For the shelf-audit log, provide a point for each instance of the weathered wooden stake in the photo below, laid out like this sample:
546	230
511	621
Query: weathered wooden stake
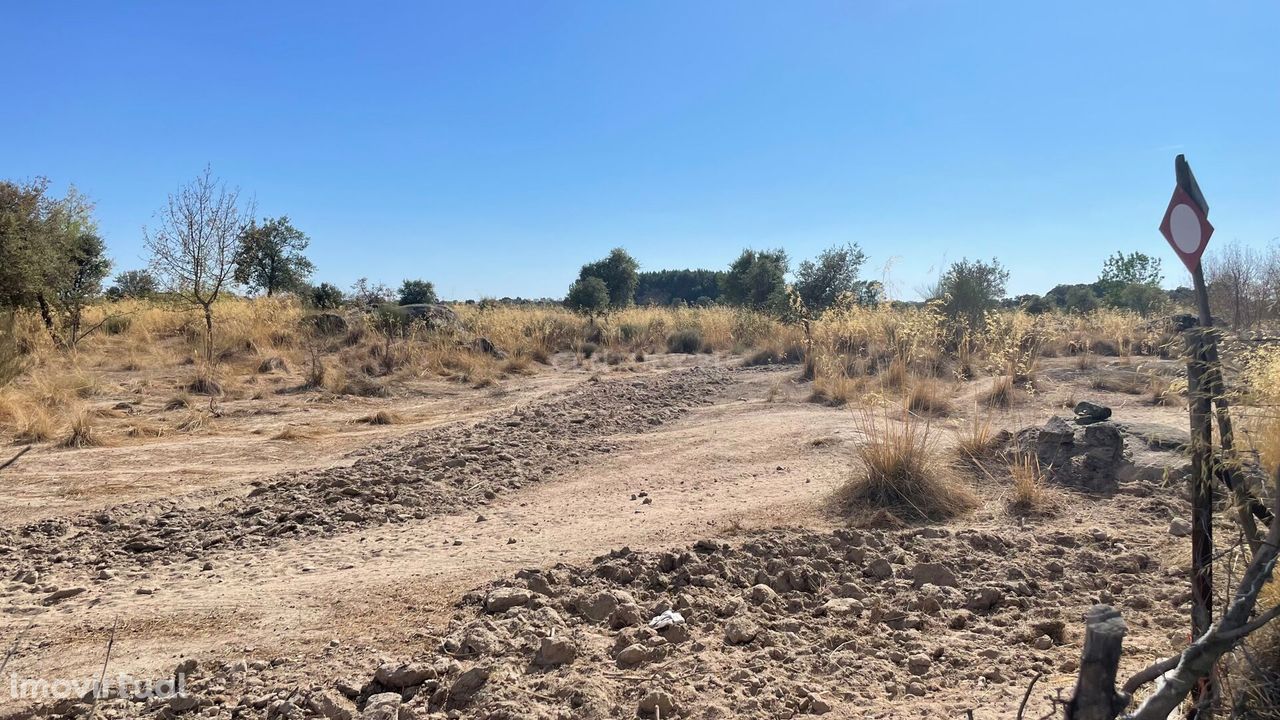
1198	392
1096	697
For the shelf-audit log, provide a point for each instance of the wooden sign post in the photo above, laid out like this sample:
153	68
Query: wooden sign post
1186	227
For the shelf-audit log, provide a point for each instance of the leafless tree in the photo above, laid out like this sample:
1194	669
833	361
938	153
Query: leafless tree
193	247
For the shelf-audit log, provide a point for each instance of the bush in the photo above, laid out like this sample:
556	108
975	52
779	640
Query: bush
901	474
588	295
116	325
687	341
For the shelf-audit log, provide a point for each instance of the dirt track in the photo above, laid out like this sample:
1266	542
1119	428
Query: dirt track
653	460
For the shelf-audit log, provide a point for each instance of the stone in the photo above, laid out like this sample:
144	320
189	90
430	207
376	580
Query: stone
657	702
60	595
331	705
467	685
600	607
383	706
1088	413
555	651
919	664
405	675
740	631
879	568
932	574
761	594
1179	528
501	600
632	655
983	599
841	607
1044	642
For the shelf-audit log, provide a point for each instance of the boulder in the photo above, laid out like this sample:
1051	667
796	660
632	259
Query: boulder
1088	458
1088	413
433	316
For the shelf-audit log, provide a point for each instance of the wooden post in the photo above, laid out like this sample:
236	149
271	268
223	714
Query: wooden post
1201	459
1095	697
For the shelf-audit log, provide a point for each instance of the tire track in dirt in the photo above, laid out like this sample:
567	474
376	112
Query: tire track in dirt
422	475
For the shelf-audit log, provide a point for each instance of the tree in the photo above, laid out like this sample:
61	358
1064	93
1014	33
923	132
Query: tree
370	295
78	281
38	234
270	257
193	247
618	273
968	289
666	287
588	295
1131	281
757	280
1133	269
417	292
325	296
132	284
835	272
1080	298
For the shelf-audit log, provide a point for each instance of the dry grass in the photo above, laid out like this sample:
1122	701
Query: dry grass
1030	496
976	441
1003	393
928	397
81	433
293	432
382	417
263	346
902	474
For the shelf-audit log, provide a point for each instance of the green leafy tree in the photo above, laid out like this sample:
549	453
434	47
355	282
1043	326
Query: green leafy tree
325	296
79	281
1080	298
271	258
1133	269
417	292
667	287
757	280
823	281
588	295
1132	282
132	284
51	258
618	272
968	289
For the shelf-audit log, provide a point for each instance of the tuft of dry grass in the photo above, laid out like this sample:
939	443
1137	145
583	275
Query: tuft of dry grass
928	397
293	432
1030	497
902	474
977	441
382	417
81	434
1003	393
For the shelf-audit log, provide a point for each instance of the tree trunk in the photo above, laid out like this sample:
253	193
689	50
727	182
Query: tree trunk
208	333
1096	697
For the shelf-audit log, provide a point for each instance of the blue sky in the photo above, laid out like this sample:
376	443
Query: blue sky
493	147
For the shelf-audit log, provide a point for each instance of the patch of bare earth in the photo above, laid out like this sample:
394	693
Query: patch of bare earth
510	567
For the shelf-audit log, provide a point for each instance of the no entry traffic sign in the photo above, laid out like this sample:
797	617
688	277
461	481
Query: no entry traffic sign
1186	223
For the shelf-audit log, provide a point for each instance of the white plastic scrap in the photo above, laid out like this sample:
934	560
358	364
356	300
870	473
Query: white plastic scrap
666	620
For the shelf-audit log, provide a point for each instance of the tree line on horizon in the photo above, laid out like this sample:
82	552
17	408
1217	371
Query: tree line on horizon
206	241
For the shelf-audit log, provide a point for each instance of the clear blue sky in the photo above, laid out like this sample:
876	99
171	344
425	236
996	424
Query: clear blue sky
493	147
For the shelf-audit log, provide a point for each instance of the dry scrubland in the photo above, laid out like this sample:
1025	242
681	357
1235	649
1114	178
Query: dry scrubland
479	520
150	357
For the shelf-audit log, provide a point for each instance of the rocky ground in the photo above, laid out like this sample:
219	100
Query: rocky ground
795	614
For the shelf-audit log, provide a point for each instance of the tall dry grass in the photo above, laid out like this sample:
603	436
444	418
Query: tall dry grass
903	474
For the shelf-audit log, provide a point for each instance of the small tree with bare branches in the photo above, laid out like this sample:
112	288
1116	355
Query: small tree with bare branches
193	247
